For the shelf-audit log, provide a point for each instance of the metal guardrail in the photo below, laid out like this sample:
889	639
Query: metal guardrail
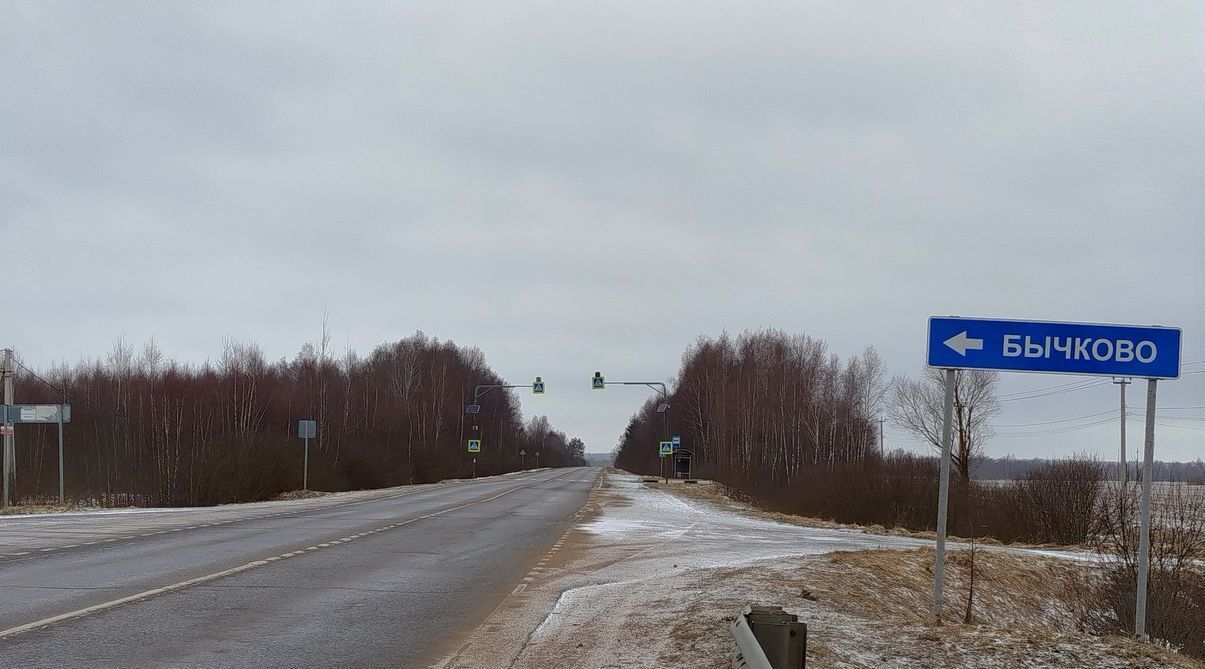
749	654
768	638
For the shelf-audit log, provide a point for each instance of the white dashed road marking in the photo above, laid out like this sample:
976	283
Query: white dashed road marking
229	572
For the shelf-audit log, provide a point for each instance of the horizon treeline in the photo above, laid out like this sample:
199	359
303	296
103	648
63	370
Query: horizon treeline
147	430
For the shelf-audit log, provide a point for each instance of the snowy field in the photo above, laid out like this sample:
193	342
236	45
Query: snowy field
649	578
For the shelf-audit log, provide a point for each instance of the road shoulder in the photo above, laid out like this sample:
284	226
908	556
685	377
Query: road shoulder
648	578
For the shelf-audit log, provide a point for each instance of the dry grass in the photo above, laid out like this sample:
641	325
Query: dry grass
1010	589
300	494
1027	611
36	508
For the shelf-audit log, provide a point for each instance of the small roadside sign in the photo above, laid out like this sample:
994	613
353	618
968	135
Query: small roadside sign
35	413
537	386
598	382
677	439
474	445
307	429
666	448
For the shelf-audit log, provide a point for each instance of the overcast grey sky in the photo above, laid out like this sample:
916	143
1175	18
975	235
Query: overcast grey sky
575	187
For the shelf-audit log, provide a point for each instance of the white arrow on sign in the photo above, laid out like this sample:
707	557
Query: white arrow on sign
961	343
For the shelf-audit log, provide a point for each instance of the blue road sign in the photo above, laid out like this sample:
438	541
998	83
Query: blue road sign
1059	348
677	439
667	448
597	382
474	445
537	386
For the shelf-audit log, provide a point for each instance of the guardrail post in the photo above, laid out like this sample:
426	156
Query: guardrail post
769	638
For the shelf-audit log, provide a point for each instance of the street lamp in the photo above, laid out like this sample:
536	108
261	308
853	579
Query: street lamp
598	382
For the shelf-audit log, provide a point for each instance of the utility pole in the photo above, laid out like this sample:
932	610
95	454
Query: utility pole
1123	468
9	459
882	444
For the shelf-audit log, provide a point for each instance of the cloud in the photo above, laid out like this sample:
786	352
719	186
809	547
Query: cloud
574	187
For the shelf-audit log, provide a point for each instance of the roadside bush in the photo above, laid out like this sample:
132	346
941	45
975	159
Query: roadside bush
1176	588
1058	503
898	491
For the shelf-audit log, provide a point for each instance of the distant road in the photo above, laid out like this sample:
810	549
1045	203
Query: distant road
377	582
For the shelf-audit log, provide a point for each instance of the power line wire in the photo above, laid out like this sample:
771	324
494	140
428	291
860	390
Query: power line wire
1061	385
1049	392
1061	430
1181	427
1063	420
63	391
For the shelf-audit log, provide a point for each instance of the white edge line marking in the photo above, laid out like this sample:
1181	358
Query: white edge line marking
19	629
142	595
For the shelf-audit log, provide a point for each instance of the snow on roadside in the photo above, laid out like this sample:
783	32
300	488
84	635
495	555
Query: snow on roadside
650	579
294	499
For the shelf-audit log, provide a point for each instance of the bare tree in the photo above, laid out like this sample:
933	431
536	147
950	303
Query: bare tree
918	406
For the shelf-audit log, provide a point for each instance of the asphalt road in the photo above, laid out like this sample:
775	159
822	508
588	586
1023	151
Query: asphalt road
385	581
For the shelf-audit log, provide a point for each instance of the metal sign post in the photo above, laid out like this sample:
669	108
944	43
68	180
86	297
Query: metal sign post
943	495
664	450
1086	349
61	495
306	429
1144	528
9	461
523	459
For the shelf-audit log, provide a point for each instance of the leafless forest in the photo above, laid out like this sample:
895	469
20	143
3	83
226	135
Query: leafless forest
147	430
781	418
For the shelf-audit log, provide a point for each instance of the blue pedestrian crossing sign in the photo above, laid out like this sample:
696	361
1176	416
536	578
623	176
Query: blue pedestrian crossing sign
597	383
537	386
667	448
1088	349
474	445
